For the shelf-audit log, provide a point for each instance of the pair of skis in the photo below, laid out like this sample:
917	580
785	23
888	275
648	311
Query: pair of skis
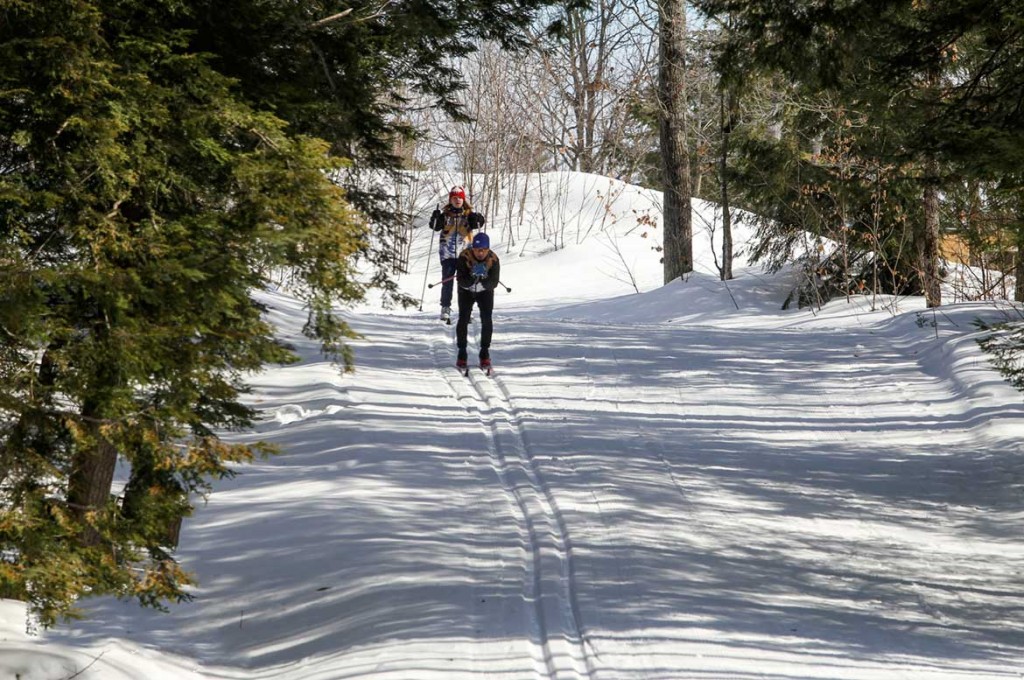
464	370
487	370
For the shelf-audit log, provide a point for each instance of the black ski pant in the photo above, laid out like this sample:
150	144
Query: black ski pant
484	300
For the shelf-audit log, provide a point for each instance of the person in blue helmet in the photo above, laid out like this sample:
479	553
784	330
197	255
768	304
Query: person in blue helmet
477	272
456	222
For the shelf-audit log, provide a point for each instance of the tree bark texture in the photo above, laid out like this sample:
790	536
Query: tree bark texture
1018	289
727	110
678	228
927	242
91	476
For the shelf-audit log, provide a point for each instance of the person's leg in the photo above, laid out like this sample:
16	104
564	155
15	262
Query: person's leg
485	303
448	266
465	309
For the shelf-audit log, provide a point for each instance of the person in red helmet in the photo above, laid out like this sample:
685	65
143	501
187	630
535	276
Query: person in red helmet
478	272
456	222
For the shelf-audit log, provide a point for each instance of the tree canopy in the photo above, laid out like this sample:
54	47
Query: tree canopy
160	163
888	107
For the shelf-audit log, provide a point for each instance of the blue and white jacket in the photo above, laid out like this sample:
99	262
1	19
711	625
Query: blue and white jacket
456	226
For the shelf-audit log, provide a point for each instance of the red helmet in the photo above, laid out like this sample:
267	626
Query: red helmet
457	192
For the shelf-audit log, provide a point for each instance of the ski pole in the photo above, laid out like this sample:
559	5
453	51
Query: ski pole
507	289
440	282
426	270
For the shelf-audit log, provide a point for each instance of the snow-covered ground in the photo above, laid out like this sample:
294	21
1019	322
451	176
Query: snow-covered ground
685	483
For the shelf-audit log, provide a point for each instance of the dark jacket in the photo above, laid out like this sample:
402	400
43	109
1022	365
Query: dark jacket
475	281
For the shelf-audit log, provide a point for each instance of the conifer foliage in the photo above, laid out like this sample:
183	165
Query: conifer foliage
890	105
343	71
160	160
143	200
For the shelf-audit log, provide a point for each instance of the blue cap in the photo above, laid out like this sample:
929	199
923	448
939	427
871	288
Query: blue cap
481	240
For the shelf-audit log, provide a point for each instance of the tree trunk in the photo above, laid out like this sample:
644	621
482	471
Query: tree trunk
678	228
580	69
727	122
92	473
927	242
95	457
148	484
1018	270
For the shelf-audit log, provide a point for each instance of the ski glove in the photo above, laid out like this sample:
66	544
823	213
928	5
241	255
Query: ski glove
436	220
475	220
480	270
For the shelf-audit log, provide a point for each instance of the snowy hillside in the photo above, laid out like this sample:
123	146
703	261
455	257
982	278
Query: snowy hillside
685	483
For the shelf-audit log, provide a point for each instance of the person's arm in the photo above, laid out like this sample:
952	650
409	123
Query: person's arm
493	275
463	272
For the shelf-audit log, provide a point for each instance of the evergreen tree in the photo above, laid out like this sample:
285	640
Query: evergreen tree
936	84
142	202
159	162
343	71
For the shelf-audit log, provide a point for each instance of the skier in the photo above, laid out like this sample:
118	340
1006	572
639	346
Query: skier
478	272
455	221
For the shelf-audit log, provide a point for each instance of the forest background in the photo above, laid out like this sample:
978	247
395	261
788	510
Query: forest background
161	161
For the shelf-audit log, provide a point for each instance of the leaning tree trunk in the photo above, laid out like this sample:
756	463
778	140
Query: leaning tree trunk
678	228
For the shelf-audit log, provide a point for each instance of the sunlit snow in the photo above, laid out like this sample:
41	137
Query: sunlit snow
685	483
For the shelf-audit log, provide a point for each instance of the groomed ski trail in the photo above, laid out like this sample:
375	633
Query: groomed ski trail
558	647
622	502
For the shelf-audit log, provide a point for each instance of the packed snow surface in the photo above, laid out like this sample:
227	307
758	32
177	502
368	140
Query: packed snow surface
660	482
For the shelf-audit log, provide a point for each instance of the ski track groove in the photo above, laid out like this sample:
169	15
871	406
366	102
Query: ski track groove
543	662
567	573
540	517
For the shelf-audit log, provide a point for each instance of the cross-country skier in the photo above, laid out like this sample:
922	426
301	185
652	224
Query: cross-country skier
455	221
478	272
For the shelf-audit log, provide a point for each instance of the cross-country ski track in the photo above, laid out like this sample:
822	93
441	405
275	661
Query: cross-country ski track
666	502
656	501
557	644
